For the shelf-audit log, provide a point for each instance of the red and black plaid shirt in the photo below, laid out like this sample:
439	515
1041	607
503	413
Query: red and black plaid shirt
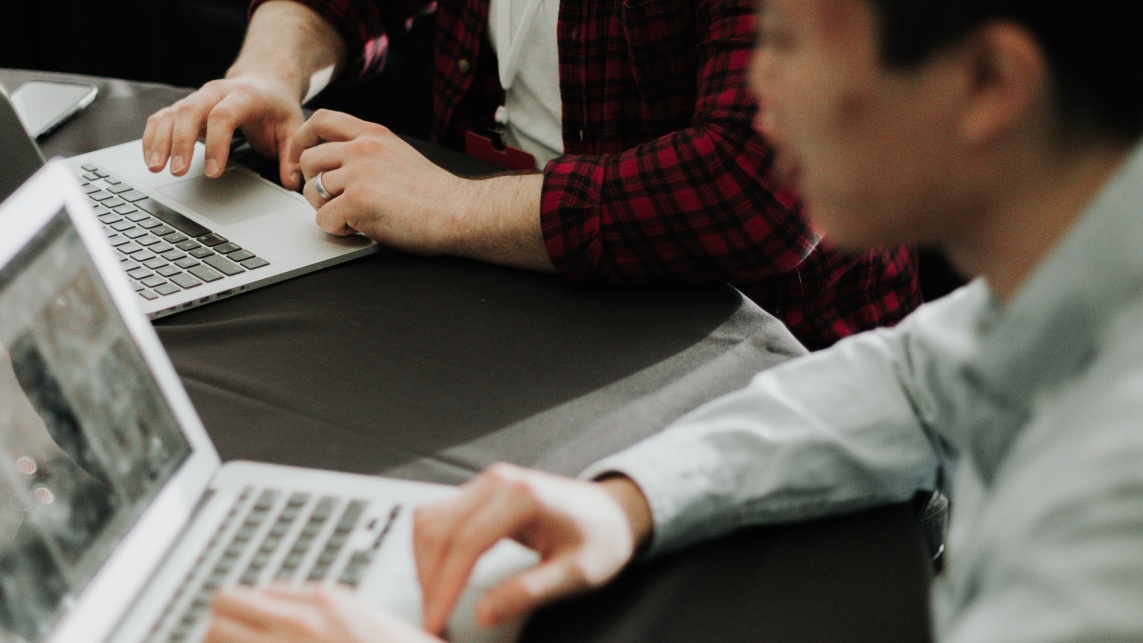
664	177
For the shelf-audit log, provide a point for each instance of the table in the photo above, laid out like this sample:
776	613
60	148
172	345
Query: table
431	369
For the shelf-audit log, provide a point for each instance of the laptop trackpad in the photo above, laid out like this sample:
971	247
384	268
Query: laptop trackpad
230	199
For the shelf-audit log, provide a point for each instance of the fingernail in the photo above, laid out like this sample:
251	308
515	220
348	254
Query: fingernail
177	164
212	168
154	159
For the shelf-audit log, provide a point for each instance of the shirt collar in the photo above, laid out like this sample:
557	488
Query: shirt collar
1046	335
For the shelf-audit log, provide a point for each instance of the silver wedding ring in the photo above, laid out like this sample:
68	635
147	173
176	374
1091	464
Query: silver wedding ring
322	192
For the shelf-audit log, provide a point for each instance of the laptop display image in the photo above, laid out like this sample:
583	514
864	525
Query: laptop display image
117	520
186	241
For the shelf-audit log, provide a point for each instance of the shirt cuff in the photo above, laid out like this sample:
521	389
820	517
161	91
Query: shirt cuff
673	473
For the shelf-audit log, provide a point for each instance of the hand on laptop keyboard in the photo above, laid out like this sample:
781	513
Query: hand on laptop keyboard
288	615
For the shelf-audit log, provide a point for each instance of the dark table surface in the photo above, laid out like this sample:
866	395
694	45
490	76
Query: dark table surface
431	369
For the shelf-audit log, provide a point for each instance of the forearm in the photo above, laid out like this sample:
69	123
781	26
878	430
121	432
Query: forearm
293	45
498	221
857	425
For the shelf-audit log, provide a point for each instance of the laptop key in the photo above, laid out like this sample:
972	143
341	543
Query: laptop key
143	255
121	226
109	218
88	167
132	196
89	188
99	195
162	247
148	295
129	248
134	233
163	230
91	176
113	202
150	223
118	188
139	273
169	271
206	273
201	253
166	289
226	248
152	281
256	262
211	239
187	262
156	263
223	265
240	256
148	240
168	216
187	245
126	209
174	254
118	240
135	215
185	281
175	238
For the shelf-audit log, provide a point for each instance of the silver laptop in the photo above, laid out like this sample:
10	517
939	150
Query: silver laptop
117	521
186	241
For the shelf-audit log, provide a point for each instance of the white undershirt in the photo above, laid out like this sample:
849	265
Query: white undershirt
532	106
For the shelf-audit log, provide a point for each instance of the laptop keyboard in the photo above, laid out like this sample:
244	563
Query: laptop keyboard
162	251
273	536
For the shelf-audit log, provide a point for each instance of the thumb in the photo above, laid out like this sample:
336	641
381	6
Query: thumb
523	593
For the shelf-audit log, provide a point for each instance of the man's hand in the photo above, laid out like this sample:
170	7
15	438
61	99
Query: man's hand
585	533
285	615
382	187
290	53
267	111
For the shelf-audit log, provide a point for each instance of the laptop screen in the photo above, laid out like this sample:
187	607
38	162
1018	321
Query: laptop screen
86	437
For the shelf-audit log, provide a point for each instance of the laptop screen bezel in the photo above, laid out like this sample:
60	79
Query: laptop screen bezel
95	611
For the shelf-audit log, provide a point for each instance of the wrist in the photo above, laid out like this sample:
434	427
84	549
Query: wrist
631	500
292	46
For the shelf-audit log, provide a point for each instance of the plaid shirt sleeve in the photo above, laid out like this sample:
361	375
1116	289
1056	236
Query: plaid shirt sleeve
698	204
365	25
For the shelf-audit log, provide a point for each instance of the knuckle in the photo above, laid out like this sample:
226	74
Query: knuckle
502	472
300	623
221	115
325	597
184	109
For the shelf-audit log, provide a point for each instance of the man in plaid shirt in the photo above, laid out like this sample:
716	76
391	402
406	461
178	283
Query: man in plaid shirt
660	175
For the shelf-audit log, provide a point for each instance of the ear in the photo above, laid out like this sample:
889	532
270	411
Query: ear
1007	84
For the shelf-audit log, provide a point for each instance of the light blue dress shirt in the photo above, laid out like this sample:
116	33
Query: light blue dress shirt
1029	415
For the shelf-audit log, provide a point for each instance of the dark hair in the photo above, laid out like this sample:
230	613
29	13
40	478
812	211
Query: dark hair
1094	48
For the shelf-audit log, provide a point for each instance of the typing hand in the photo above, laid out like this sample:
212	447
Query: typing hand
286	615
376	184
265	110
584	532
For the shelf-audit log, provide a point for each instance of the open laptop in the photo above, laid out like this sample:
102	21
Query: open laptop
189	240
117	521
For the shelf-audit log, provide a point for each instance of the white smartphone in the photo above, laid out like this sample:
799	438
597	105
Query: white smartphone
45	105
